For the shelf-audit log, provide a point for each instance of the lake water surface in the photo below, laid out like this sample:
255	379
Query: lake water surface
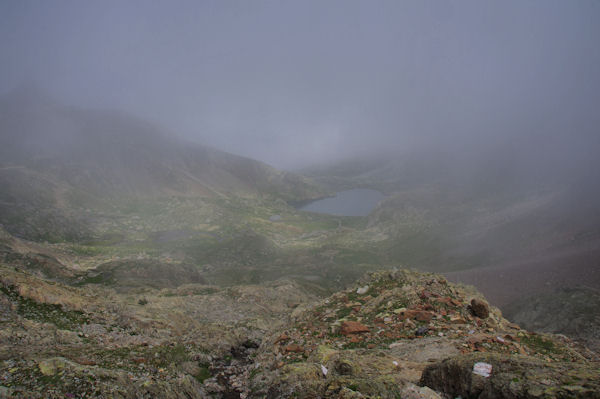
355	202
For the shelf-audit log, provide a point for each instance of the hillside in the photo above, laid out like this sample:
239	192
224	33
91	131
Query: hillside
57	162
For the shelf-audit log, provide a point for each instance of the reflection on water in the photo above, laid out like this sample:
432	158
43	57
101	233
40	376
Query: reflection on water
355	202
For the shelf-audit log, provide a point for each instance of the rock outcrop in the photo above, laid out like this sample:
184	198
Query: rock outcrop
416	329
480	308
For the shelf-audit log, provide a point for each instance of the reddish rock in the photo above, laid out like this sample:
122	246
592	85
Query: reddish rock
355	339
424	316
407	314
510	337
447	300
513	326
420	315
455	302
294	348
353	327
477	339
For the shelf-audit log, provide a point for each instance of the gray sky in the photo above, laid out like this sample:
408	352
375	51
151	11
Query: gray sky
292	83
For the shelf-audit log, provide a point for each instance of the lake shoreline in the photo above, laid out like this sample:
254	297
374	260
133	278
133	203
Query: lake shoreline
353	202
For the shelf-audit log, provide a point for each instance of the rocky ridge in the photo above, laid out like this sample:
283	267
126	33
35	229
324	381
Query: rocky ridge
400	329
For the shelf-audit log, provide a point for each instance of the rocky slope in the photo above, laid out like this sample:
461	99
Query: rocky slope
395	334
59	341
396	330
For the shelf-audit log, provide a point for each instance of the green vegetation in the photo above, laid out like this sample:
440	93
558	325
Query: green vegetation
540	344
44	312
343	312
204	373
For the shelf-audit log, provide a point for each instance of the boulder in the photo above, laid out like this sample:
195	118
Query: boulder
353	327
480	308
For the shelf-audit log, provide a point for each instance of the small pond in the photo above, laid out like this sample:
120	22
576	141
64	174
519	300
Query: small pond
355	202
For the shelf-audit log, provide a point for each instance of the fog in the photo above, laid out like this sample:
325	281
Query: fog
298	83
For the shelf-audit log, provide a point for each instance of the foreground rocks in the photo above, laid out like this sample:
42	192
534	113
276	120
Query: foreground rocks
401	334
58	341
413	335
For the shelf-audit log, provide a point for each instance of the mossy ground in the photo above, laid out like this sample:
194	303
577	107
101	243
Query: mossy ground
44	312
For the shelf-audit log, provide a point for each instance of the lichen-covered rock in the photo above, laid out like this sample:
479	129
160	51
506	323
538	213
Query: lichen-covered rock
411	391
512	377
52	366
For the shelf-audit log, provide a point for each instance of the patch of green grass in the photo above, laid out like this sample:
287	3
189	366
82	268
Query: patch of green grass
174	354
82	250
357	256
343	312
203	373
51	380
355	345
44	312
540	344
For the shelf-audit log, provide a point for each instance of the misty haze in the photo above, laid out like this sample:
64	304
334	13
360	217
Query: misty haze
342	199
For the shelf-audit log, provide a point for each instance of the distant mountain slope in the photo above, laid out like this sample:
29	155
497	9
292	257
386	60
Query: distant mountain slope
54	158
442	213
571	311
